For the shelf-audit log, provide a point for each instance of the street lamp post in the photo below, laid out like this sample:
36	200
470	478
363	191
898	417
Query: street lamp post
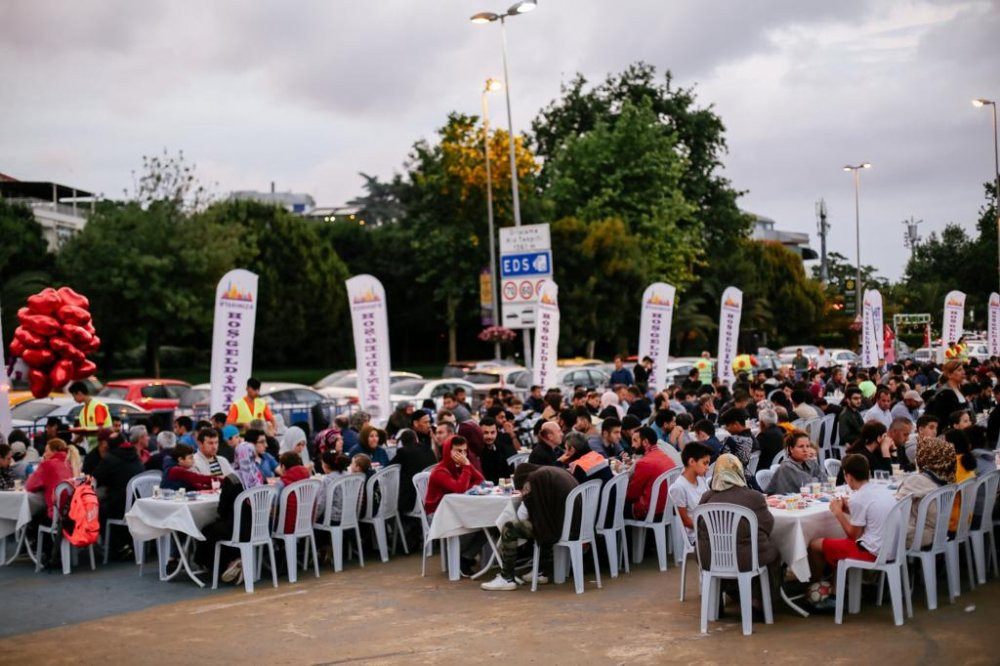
996	169
856	169
516	9
491	84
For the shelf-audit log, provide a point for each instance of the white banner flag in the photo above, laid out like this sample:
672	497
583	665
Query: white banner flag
371	344
729	332
5	424
654	330
871	330
954	318
993	317
232	337
547	335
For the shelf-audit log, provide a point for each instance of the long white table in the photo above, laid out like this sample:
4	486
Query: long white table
16	507
459	514
793	530
165	520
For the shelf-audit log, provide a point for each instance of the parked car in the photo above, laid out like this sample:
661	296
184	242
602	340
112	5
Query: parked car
148	393
417	390
31	415
923	355
767	359
580	360
844	358
343	385
19	391
295	402
460	368
500	377
786	354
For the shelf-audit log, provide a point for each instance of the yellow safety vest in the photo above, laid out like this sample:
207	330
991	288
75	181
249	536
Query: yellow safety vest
243	413
88	415
704	367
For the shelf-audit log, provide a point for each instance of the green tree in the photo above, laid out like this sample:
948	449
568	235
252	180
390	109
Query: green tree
25	262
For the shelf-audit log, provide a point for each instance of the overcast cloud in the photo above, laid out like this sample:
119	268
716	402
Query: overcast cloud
307	94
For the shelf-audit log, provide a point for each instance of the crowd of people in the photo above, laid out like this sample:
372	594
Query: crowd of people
940	420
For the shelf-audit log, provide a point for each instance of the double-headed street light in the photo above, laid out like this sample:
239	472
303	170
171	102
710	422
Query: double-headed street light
996	167
491	85
856	169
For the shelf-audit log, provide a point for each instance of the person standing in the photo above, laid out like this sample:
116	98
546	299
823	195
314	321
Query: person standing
621	374
251	406
704	367
94	414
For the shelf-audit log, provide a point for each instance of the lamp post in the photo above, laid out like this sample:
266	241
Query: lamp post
516	9
856	169
491	84
996	169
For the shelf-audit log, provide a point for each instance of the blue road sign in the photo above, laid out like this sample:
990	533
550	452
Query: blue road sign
526	264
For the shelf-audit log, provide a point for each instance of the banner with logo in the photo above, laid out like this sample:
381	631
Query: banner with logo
5	424
232	337
729	332
871	330
547	335
369	318
954	318
654	330
993	317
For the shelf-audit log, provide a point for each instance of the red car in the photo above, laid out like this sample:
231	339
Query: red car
149	394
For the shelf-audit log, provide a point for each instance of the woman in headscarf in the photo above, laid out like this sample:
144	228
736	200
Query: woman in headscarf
294	440
371	442
729	485
610	406
936	461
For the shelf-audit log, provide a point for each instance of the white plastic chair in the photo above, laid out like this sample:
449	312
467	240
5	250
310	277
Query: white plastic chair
387	479
942	500
572	549
891	562
813	428
721	522
617	550
305	493
67	551
420	482
763	477
144	484
350	487
828	428
967	497
658	527
147	481
682	547
832	466
984	548
260	500
776	460
751	464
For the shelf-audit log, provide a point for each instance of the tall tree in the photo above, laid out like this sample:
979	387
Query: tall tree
25	262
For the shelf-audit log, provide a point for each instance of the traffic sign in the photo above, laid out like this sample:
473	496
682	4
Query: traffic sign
525	261
526	264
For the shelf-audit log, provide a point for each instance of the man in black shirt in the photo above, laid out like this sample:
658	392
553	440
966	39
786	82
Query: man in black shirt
497	450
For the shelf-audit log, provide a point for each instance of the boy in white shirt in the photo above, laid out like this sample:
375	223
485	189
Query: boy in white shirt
687	490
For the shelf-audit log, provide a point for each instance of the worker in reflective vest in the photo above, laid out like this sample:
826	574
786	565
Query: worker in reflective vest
94	415
249	407
704	367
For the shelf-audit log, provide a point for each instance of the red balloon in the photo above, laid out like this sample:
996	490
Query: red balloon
84	370
95	344
61	372
70	297
38	359
78	335
29	339
71	314
90	327
40	324
66	350
16	347
45	302
38	381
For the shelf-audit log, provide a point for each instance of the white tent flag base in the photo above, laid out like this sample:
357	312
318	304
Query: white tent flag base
232	337
371	344
654	330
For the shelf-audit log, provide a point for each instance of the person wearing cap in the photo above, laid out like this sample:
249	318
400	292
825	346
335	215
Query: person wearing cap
251	406
740	442
228	442
908	407
420	422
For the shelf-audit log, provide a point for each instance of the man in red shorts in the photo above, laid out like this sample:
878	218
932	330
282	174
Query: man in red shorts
862	520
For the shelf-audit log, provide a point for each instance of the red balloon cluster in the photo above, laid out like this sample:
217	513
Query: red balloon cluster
54	338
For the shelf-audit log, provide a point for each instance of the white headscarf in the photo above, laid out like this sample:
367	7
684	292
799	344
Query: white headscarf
292	437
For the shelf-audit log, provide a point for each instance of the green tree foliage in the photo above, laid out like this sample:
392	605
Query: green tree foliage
25	262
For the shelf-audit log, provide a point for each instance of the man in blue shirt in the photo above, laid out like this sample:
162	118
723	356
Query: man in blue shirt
621	374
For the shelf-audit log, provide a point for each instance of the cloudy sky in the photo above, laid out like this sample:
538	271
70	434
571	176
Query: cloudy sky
307	94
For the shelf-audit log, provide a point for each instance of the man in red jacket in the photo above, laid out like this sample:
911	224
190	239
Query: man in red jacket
654	462
455	474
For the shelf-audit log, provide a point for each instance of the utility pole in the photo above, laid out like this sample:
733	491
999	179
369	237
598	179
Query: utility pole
822	227
911	238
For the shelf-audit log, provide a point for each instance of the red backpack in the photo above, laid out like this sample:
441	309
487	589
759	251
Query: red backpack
81	526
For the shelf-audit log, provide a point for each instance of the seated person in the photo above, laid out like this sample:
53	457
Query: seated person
583	462
496	451
266	463
6	464
653	463
687	490
608	443
207	459
936	460
165	442
545	451
544	490
371	442
52	471
179	471
799	468
334	466
455	474
862	518
412	458
729	486
771	438
113	473
704	433
290	470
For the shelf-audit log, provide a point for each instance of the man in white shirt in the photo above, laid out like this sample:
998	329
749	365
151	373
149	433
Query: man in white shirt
206	460
823	358
881	411
687	490
862	519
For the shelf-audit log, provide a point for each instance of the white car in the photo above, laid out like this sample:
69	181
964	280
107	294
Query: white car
844	358
415	391
30	415
786	354
343	385
498	377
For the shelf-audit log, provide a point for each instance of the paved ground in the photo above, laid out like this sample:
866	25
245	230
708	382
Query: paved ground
387	613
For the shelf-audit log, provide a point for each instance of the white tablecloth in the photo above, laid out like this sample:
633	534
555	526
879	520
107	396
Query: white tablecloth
459	514
16	508
793	530
151	518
